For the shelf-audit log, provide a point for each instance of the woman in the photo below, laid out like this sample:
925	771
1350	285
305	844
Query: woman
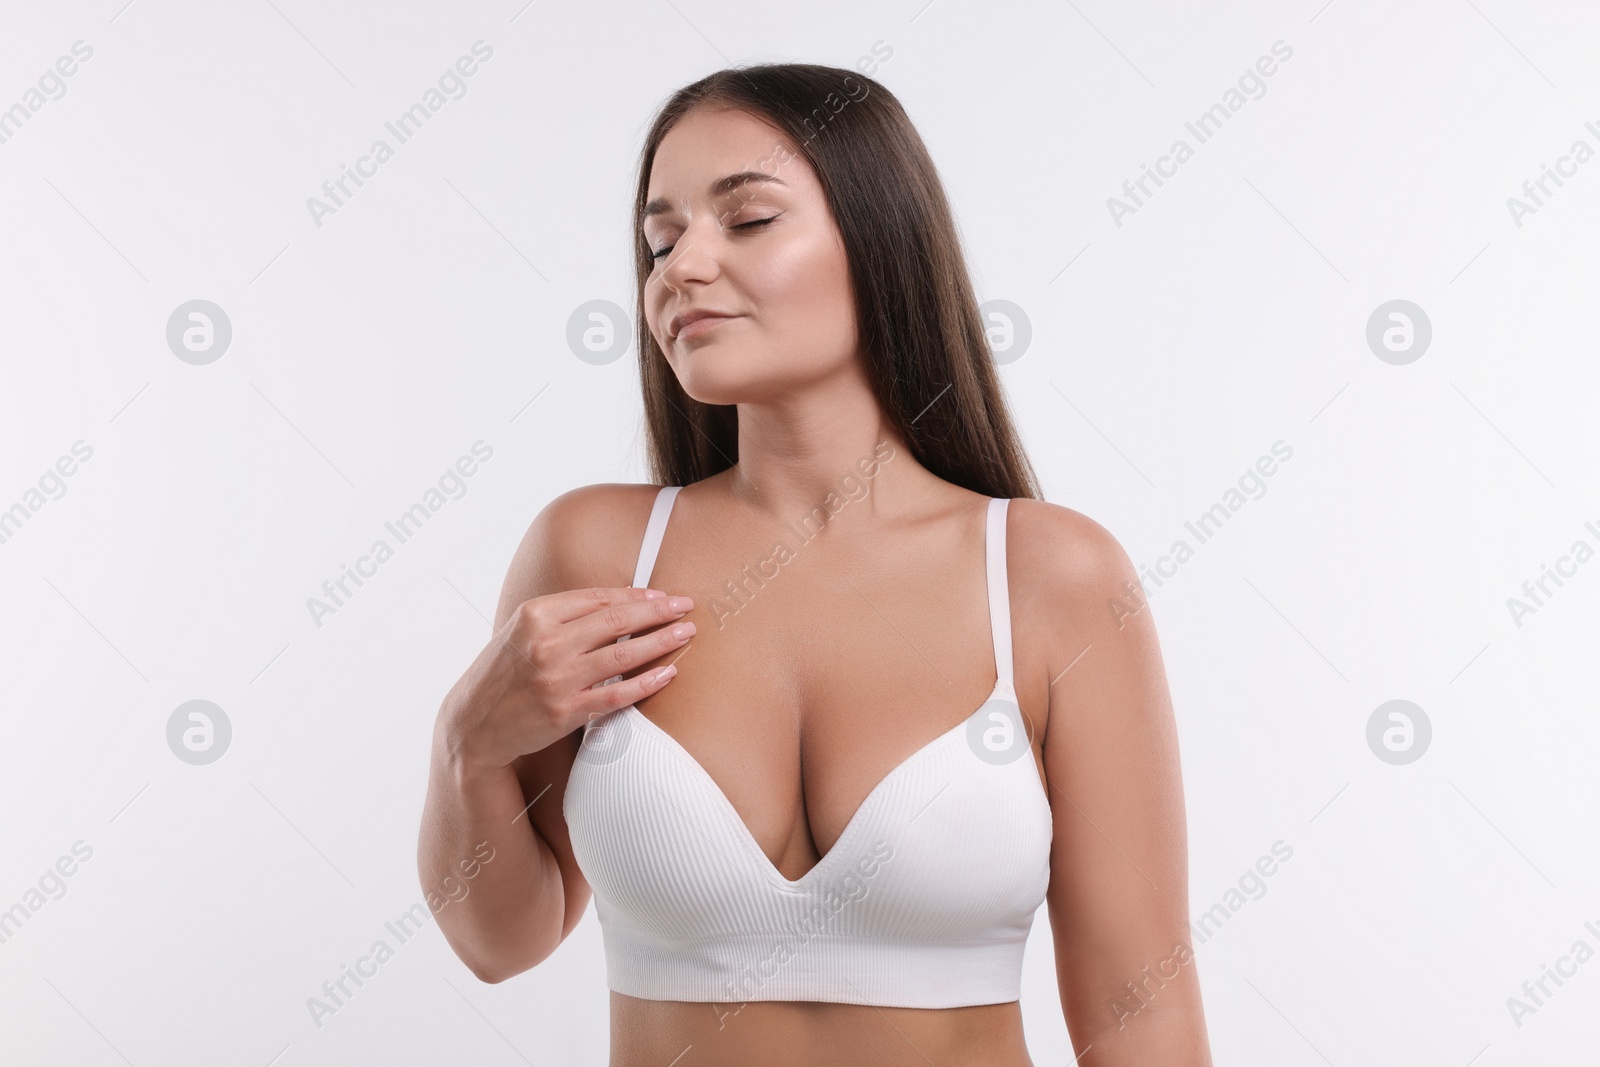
806	846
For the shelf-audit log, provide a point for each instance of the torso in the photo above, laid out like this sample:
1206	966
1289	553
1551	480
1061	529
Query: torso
769	698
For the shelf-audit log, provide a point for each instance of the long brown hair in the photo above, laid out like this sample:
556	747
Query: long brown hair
926	355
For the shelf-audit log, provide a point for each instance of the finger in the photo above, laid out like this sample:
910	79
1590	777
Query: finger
629	618
571	604
612	661
629	691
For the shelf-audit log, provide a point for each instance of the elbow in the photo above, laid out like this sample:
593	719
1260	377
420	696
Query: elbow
493	973
492	970
488	975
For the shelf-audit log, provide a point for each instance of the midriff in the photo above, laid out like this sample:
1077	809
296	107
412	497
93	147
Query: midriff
660	1033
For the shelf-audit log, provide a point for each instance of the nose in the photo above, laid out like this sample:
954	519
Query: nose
693	258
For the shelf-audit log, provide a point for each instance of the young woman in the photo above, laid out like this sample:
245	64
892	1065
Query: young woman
868	700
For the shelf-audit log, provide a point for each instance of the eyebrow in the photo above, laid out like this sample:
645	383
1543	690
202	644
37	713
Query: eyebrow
721	187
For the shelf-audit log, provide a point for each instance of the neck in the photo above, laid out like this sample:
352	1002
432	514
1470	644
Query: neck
824	448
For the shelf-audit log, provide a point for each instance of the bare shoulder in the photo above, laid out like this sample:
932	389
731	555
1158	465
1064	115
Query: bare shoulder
1074	586
588	536
1064	552
1086	626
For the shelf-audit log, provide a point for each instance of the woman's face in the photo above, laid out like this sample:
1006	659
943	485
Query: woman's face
766	253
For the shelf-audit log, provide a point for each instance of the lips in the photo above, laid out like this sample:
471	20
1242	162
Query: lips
696	327
682	322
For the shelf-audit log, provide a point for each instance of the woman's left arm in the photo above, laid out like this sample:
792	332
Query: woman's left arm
1118	899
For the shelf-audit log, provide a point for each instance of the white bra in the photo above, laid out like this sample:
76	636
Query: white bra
925	901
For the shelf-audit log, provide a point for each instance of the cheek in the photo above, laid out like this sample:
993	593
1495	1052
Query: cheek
654	299
806	286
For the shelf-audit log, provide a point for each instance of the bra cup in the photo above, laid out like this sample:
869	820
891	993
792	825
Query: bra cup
925	900
946	865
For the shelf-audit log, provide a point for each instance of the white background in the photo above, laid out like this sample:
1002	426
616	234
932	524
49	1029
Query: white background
1228	313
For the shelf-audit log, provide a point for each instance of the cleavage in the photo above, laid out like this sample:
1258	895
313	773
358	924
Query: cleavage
772	769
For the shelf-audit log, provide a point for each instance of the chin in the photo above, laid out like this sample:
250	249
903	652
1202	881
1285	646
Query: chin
722	373
714	377
717	389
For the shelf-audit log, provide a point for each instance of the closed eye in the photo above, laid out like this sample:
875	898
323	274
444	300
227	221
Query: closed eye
742	226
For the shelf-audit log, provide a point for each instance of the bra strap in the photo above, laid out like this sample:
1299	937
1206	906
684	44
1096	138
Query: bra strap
999	590
653	531
649	547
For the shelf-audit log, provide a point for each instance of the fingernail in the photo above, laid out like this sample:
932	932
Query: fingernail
682	630
680	603
665	672
653	594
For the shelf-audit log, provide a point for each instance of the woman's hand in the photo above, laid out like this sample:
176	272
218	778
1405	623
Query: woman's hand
540	677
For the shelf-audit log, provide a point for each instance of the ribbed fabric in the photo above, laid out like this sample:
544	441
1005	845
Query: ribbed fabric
925	901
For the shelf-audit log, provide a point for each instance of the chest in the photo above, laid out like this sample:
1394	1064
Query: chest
819	670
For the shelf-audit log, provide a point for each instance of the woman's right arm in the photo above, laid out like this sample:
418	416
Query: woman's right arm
508	730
